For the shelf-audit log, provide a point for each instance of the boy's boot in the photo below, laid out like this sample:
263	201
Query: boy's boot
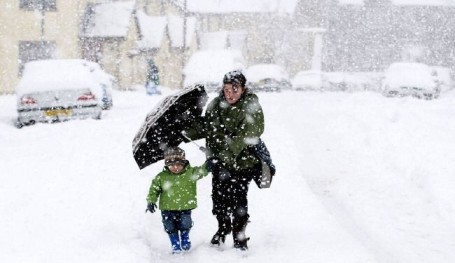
238	233
175	242
224	228
185	239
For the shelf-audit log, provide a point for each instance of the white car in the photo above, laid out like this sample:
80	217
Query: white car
267	77
409	78
59	90
444	77
207	67
308	80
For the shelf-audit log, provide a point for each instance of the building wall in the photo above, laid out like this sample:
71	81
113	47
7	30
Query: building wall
120	58
270	39
125	61
18	25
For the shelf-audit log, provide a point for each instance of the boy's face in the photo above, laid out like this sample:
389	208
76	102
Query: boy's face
175	168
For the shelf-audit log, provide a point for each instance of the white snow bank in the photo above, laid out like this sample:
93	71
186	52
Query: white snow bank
360	178
176	29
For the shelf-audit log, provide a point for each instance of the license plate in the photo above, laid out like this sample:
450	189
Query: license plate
54	113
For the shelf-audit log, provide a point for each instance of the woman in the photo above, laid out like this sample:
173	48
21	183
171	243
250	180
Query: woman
234	121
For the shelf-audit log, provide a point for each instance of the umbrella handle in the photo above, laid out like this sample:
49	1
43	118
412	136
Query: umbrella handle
201	148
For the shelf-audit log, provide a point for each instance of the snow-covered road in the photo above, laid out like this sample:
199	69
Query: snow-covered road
361	178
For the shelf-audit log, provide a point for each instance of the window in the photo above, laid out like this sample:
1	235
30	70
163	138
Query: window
34	50
44	5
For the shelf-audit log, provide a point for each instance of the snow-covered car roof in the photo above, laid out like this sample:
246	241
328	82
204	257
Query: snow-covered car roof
211	65
259	72
409	74
308	78
443	74
61	74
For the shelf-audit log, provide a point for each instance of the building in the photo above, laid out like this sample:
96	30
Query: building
125	36
32	30
119	35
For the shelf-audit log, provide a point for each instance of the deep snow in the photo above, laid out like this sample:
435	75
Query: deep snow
360	178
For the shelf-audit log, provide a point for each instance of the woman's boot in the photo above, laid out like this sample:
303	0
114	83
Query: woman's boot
238	233
224	228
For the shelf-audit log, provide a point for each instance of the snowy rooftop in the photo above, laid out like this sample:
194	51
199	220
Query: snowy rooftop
362	178
175	25
240	6
152	30
109	19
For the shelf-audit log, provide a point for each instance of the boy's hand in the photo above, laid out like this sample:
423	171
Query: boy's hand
212	163
151	208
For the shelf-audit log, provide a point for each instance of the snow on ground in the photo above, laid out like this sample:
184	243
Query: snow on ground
361	178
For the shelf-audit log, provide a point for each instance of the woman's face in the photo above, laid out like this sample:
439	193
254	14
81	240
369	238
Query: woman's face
232	93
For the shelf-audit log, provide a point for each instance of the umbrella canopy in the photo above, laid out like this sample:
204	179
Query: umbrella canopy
163	125
263	177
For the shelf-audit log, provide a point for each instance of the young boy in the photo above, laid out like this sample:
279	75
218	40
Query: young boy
175	186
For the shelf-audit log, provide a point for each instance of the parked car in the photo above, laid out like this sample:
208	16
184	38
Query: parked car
308	80
60	90
207	67
444	78
410	78
106	81
267	77
351	81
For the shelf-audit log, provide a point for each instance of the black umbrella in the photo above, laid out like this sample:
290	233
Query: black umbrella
163	125
263	177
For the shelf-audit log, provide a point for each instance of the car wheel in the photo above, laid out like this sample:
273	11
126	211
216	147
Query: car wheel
427	96
19	124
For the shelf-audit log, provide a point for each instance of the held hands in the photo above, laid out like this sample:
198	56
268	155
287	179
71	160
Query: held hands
203	149
151	208
216	167
212	163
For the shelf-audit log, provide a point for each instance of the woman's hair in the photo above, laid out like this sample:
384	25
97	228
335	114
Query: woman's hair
235	77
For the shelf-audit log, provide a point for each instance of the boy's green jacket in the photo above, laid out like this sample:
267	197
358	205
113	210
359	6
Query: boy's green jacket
176	191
